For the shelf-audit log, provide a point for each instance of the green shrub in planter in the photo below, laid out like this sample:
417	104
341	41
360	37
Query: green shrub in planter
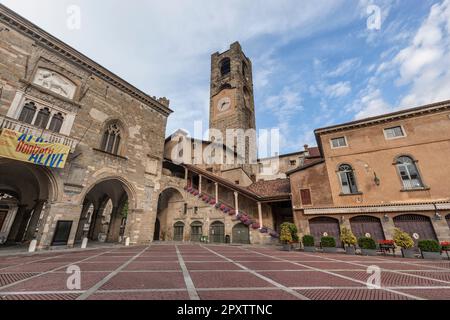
328	244
368	246
430	249
308	243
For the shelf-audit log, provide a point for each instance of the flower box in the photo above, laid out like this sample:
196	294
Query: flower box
445	246
256	226
248	222
386	242
263	230
274	234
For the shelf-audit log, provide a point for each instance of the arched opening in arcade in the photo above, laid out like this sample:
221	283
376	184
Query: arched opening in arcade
217	232
105	212
241	234
419	227
171	207
367	226
25	190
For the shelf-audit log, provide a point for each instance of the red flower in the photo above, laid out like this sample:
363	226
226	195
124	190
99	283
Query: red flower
445	245
387	242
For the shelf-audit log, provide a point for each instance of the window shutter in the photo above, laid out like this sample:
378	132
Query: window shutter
305	195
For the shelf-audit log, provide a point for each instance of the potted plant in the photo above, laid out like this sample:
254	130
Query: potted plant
349	240
430	249
404	241
308	243
328	244
368	246
286	237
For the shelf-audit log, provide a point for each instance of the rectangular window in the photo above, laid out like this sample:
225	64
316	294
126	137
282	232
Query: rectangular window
293	162
394	132
305	195
340	142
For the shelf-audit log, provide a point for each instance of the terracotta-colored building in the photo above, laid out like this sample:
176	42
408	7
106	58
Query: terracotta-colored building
376	174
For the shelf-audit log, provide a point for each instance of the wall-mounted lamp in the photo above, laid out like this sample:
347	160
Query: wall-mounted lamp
437	216
376	179
386	218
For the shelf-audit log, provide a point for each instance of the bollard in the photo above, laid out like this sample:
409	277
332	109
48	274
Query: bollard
127	241
84	243
32	247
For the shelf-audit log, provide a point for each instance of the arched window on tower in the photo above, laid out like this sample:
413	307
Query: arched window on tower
56	123
225	66
244	69
347	178
42	118
28	112
111	139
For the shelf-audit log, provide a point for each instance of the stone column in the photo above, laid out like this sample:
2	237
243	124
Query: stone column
260	215
200	184
186	176
17	222
31	229
388	227
217	192
236	202
114	226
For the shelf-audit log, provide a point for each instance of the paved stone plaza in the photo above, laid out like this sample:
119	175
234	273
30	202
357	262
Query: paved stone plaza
207	272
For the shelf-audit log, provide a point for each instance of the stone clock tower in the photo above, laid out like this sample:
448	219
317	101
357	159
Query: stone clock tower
232	105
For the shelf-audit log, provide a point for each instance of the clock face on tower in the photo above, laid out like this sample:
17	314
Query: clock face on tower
224	104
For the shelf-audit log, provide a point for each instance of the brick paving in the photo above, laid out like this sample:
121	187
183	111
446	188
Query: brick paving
209	272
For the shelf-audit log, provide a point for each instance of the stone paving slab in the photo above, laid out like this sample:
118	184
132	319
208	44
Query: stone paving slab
217	272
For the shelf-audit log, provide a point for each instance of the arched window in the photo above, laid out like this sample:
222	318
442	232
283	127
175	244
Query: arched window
111	139
56	123
347	177
244	69
28	112
42	118
225	66
408	173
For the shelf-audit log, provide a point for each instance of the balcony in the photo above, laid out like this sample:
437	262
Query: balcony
49	136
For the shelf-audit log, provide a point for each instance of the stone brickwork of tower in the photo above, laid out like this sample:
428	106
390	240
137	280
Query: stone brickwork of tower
231	104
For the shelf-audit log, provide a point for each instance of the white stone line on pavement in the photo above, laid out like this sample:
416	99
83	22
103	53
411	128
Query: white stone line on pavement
396	272
422	264
97	286
193	295
341	276
279	285
47	272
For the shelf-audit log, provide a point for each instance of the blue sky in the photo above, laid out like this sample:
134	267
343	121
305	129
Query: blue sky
315	62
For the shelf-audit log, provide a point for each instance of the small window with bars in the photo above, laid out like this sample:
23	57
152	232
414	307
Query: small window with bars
394	132
340	142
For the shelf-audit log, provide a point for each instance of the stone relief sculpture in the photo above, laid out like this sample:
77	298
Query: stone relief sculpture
54	82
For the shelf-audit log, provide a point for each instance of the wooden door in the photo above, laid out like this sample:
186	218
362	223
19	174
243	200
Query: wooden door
367	226
325	226
217	232
241	234
417	226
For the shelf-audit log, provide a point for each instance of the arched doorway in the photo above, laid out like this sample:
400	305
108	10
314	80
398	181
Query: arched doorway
325	227
217	232
170	208
367	226
178	231
105	211
196	231
417	226
25	189
241	234
157	233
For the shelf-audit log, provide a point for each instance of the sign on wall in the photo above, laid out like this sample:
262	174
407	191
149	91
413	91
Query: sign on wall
28	148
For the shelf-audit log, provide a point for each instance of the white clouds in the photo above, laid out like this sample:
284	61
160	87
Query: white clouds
345	67
338	90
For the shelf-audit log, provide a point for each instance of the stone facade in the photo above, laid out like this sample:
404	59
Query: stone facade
37	68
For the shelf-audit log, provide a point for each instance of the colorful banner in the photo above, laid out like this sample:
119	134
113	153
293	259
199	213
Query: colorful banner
27	148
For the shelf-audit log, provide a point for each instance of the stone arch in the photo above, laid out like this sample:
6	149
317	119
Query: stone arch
33	187
240	234
112	198
363	226
170	208
217	232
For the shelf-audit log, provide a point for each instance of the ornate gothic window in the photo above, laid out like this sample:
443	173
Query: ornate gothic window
42	118
408	173
111	139
347	178
56	123
28	112
225	66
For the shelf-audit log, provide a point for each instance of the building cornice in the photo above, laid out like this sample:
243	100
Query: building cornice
46	40
383	208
